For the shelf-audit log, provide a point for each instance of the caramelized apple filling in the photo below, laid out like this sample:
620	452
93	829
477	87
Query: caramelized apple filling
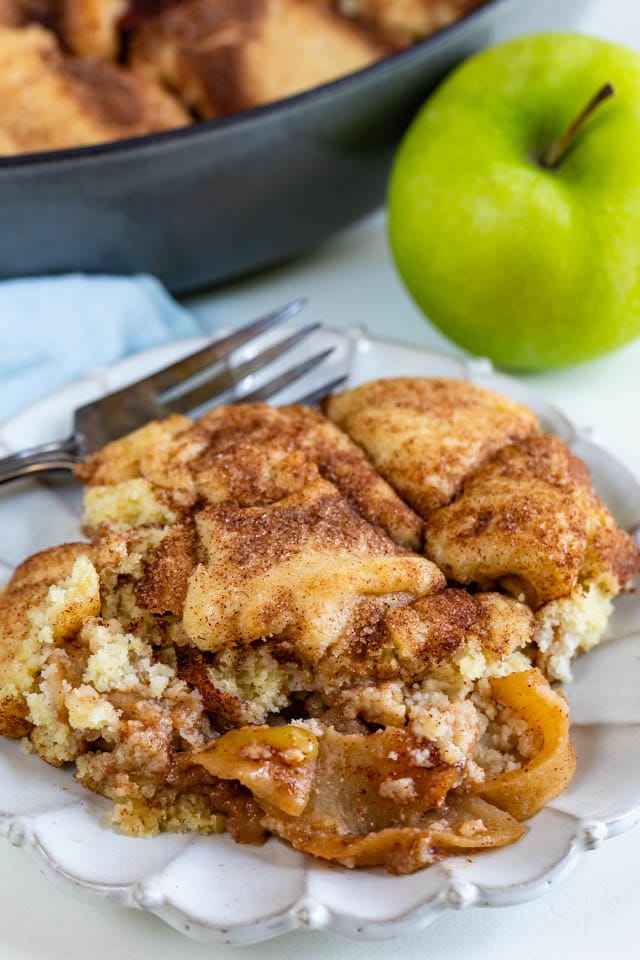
371	799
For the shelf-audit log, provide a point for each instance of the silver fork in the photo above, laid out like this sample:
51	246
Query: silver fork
197	380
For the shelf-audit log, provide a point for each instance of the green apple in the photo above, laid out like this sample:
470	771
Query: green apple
514	212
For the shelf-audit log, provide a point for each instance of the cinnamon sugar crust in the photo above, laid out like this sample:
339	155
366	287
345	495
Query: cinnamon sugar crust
530	519
51	101
171	61
252	454
402	22
223	56
426	435
296	569
88	28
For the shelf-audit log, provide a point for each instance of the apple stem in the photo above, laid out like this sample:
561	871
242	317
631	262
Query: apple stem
556	151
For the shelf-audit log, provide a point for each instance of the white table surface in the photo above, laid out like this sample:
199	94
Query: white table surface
593	913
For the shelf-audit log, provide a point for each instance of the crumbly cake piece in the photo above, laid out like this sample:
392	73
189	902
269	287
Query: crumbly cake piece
387	647
112	701
83	689
403	22
529	516
223	56
216	56
426	435
296	569
49	101
91	28
22	639
503	505
250	455
529	520
88	28
287	538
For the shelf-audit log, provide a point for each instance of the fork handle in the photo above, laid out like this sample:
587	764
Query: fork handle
59	455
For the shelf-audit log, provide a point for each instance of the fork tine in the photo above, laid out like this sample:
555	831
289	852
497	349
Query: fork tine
217	350
230	377
315	396
284	379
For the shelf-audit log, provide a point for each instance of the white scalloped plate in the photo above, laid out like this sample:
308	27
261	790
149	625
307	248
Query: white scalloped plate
213	890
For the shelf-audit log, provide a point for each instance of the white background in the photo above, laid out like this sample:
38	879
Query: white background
595	912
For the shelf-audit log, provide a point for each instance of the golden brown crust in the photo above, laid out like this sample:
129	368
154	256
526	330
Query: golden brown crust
91	28
121	460
412	639
217	56
517	516
295	568
402	22
88	28
428	632
48	566
246	433
529	519
426	435
612	554
262	536
14	718
16	677
163	586
49	101
252	454
228	55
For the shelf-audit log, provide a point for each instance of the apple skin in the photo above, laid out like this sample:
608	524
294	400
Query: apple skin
534	268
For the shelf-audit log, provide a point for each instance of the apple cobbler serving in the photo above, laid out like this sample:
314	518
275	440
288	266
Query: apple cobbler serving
344	629
79	72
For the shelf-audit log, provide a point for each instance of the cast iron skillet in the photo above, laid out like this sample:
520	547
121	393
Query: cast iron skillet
206	203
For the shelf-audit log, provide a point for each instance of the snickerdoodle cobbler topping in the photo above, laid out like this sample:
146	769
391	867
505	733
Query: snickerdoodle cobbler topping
341	629
80	72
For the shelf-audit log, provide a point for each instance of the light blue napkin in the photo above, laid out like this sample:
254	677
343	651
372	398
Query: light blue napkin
53	330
